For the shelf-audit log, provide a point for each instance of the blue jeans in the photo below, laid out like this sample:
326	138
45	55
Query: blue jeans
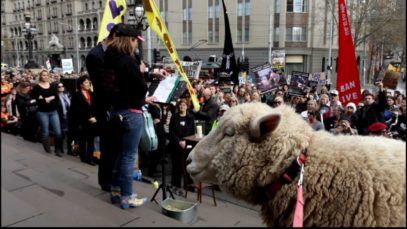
124	165
46	118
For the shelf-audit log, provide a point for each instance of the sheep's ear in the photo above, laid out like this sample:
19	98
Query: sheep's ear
263	125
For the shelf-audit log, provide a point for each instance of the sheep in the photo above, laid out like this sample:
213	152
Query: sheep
349	181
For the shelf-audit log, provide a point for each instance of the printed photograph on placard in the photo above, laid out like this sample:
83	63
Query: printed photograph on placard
298	83
278	59
319	77
265	78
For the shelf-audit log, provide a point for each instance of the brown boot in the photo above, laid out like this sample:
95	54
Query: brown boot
45	144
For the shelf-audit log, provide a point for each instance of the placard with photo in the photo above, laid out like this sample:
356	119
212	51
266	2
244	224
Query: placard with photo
265	78
298	83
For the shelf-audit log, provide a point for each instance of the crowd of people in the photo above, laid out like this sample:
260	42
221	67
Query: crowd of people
105	115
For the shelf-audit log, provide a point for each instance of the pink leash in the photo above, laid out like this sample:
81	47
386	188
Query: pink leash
299	208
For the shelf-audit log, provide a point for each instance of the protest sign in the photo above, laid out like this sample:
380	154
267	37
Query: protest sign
67	66
298	83
317	79
390	79
278	59
192	68
265	78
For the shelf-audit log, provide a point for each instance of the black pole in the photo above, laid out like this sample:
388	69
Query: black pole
30	36
161	138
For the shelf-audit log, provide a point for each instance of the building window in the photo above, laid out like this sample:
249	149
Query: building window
277	6
164	11
187	21
243	20
296	34
213	21
297	6
276	35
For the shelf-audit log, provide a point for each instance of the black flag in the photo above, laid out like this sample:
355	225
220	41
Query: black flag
229	61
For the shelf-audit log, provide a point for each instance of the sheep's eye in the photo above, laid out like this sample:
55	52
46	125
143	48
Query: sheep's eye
230	131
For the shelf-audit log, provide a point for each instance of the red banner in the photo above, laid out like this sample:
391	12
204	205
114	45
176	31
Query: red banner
348	83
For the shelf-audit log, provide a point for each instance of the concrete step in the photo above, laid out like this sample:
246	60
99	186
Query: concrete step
64	192
57	183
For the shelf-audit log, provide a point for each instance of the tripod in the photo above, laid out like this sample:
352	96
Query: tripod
161	143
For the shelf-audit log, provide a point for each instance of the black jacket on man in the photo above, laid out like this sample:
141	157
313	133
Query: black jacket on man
208	113
101	81
370	114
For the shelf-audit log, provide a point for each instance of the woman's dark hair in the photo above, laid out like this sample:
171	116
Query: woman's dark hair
80	80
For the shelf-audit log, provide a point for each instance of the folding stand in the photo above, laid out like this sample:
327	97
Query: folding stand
161	139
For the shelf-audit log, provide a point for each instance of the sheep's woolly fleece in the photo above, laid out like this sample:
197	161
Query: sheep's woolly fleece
350	181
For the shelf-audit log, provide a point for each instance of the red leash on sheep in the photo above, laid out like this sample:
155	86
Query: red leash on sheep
299	208
289	175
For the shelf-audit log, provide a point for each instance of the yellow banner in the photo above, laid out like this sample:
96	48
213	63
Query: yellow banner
158	26
114	10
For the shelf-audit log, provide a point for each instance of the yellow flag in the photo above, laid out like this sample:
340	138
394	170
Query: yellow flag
158	26
114	10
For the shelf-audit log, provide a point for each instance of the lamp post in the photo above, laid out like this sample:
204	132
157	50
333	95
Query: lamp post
29	32
137	17
77	41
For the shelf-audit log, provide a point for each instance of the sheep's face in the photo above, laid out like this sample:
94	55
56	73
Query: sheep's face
238	154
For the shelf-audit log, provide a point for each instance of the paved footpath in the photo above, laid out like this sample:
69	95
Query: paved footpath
42	190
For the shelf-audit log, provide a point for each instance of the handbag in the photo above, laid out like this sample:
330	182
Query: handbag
149	140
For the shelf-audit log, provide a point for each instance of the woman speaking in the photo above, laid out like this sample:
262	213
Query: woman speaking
127	101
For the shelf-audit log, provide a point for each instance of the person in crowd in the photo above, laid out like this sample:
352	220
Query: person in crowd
240	95
350	109
379	129
47	101
219	97
311	105
333	121
278	101
398	129
27	108
296	103
324	90
226	98
56	79
223	108
182	124
235	90
247	97
83	120
256	97
11	103
312	120
233	102
103	88
63	108
371	112
389	111
334	99
121	59
365	92
399	100
344	127
324	107
209	110
8	122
